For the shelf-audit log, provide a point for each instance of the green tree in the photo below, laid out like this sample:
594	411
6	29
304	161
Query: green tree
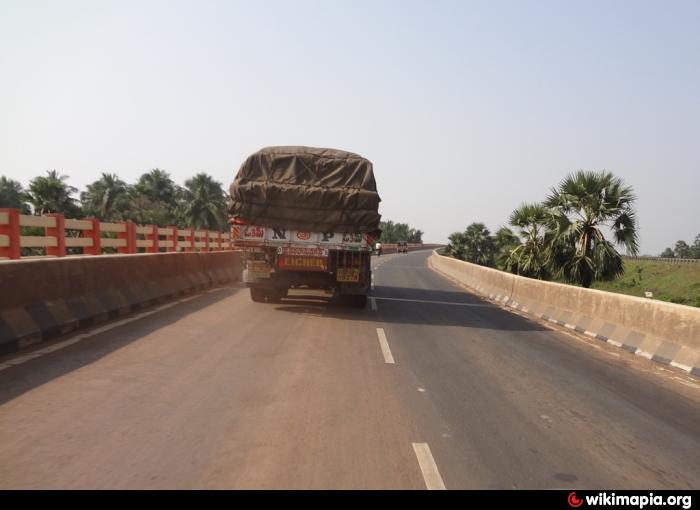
155	198
457	246
696	247
583	205
415	236
395	232
479	245
667	254
506	241
683	251
51	194
157	186
107	198
144	211
204	204
12	195
529	257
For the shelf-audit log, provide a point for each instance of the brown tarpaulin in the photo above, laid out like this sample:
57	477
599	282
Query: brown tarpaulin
304	188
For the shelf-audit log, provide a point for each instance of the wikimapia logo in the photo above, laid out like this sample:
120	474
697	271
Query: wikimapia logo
574	502
637	501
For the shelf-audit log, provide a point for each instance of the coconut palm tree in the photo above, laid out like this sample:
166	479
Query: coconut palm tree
528	258
12	195
583	205
52	194
155	192
204	203
105	198
157	186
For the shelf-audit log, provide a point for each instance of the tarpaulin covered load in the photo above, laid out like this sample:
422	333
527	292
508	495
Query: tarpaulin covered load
304	188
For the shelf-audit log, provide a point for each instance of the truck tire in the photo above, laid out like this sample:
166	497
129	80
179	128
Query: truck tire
258	295
276	295
360	301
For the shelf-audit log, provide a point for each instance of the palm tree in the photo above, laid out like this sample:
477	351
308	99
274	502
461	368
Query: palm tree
105	198
583	205
528	258
157	192
204	203
51	194
387	229
506	241
12	195
457	246
682	250
479	245
415	236
157	186
142	210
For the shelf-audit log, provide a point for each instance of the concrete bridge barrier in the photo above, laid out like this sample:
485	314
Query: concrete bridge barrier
47	297
664	332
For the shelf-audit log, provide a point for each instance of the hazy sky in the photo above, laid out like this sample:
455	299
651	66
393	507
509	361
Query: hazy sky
467	109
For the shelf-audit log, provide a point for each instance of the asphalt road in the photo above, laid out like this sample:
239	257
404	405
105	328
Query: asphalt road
216	391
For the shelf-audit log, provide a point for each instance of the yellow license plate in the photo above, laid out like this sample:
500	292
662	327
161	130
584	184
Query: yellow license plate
258	269
347	275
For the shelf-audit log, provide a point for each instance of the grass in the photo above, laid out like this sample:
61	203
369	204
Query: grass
677	283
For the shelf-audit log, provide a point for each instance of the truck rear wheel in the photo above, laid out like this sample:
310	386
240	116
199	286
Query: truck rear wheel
360	301
258	295
276	295
262	295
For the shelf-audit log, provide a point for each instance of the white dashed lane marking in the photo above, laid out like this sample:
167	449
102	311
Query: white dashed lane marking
426	462
388	358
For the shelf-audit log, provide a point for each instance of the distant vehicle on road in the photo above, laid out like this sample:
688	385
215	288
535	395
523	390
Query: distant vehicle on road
402	247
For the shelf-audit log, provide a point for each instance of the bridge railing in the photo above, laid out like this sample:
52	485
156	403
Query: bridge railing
64	236
663	259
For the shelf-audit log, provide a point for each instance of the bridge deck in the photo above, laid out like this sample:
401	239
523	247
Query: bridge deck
219	392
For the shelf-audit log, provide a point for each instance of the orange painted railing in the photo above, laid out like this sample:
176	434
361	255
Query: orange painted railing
127	236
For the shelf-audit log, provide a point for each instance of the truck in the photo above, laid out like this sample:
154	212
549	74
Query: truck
305	218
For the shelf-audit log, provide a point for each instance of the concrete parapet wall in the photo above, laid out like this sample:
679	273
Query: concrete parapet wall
43	298
664	332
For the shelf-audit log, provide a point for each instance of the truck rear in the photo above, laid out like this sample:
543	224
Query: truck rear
305	218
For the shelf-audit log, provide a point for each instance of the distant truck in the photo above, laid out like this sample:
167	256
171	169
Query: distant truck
305	218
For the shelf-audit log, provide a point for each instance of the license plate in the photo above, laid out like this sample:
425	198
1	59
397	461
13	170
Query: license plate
347	275
258	269
303	263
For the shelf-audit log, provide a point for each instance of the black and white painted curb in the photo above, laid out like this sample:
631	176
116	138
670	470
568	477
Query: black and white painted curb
651	347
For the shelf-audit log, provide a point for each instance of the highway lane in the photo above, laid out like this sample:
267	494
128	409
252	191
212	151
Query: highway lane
221	392
510	403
